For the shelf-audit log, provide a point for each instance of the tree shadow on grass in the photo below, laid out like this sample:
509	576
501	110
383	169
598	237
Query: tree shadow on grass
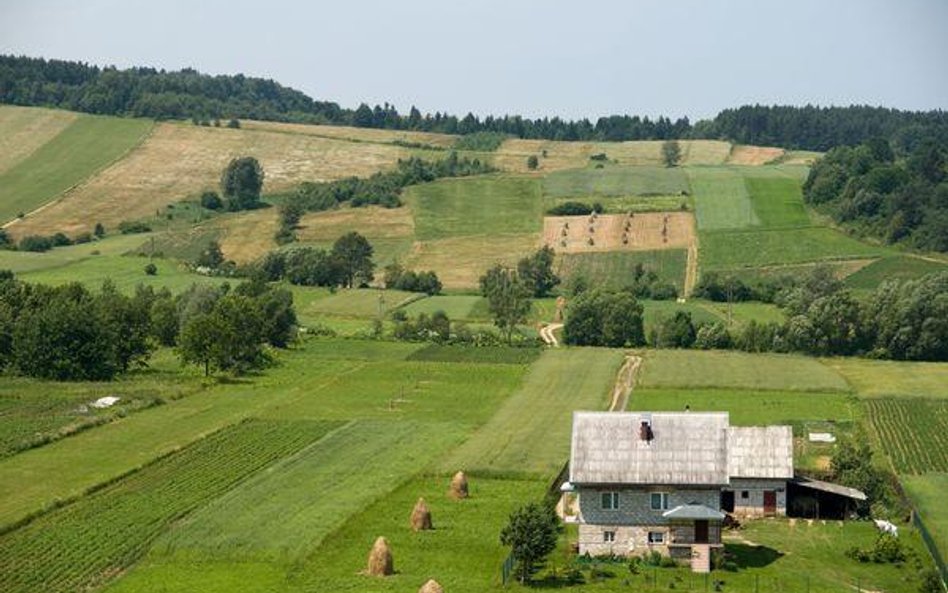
748	556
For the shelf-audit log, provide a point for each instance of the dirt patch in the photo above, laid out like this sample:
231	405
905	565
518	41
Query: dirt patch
754	155
619	232
371	221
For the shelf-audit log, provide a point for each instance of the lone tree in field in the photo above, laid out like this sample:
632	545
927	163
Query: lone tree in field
241	183
508	298
533	162
531	533
671	153
353	253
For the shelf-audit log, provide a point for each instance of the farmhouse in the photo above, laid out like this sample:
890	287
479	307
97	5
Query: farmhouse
664	481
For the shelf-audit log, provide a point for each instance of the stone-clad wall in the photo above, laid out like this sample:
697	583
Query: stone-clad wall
753	505
635	505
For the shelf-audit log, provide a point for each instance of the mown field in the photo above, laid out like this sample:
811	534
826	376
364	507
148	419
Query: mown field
68	157
615	269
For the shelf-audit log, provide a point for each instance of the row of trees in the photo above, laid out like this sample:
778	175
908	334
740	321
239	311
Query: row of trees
382	189
70	333
508	290
896	199
899	320
398	278
348	264
147	92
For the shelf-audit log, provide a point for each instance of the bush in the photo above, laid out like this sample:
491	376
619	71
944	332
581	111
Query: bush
601	157
99	230
60	240
129	227
233	123
575	209
82	238
533	162
36	243
211	200
151	269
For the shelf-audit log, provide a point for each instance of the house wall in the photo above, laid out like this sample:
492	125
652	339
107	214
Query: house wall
753	505
634	518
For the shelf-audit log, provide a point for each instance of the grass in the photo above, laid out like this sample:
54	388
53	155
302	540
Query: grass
529	433
751	407
758	248
721	369
62	258
913	433
24	129
623	204
721	198
495	205
896	267
889	378
352	134
87	543
615	269
512	154
777	201
472	354
615	181
73	155
364	303
248	522
456	306
461	261
928	495
180	160
34	412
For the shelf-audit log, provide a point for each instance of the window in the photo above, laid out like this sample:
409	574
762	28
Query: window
745	494
608	536
659	501
656	537
610	501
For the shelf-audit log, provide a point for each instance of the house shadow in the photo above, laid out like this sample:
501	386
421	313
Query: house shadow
748	556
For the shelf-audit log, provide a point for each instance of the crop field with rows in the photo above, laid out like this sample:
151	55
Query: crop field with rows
913	432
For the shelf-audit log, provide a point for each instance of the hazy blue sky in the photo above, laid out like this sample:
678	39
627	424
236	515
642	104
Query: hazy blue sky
572	59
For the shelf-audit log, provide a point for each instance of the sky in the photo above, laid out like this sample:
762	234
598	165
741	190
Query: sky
530	57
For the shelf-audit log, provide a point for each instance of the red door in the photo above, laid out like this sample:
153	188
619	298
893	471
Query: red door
770	503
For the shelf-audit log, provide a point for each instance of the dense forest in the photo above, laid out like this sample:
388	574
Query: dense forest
875	191
160	94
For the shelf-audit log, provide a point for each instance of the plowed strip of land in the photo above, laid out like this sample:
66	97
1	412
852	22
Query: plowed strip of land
619	232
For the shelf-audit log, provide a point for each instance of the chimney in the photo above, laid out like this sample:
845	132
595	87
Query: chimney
645	431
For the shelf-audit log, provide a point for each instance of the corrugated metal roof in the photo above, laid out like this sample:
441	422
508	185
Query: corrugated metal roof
832	488
688	448
760	452
694	511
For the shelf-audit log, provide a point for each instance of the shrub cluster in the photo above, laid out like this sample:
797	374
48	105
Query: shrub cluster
575	209
397	277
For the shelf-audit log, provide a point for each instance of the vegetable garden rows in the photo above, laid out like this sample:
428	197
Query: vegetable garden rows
914	433
84	544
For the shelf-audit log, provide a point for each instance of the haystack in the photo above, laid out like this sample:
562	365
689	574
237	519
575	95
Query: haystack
459	486
380	559
432	586
421	516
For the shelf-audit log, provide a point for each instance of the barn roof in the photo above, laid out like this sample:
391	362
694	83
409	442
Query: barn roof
688	448
760	452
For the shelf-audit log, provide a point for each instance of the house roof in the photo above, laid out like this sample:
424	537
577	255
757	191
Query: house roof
831	488
694	511
688	448
760	452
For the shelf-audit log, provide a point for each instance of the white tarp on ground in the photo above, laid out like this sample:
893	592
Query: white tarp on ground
105	402
887	527
822	437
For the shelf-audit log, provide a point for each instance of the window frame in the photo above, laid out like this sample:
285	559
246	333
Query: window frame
609	537
613	500
652	541
663	500
745	494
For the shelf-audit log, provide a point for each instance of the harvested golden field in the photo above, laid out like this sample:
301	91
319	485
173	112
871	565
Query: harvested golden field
512	154
374	222
180	160
24	129
247	236
354	134
754	155
461	261
800	157
619	232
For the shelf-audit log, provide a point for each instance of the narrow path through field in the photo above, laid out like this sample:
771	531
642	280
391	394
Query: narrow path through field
547	335
625	382
691	269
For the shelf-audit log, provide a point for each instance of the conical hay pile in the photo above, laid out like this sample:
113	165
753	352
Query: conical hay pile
431	586
421	516
380	559
459	486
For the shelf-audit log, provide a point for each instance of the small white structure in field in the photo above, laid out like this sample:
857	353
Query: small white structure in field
887	527
105	402
821	437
